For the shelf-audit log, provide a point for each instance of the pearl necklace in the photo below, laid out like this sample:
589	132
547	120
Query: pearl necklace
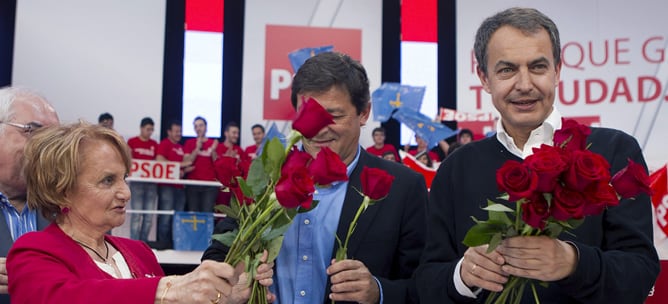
104	259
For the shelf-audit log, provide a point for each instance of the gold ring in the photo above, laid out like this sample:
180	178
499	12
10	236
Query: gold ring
217	300
474	268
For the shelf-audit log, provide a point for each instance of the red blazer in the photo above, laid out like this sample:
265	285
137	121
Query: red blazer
50	267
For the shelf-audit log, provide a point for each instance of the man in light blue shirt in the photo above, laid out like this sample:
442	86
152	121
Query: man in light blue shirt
22	112
387	243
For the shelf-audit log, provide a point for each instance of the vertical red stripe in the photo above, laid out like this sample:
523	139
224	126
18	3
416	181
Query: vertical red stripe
419	20
205	15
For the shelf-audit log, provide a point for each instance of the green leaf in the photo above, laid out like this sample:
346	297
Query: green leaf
227	210
273	233
291	213
273	155
574	223
226	238
494	242
281	220
481	234
257	179
553	229
273	248
304	210
497	207
236	208
499	216
511	232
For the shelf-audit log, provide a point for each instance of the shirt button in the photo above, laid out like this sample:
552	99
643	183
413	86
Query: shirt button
305	258
302	293
306	222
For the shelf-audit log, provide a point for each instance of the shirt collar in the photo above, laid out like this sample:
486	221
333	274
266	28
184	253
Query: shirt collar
543	134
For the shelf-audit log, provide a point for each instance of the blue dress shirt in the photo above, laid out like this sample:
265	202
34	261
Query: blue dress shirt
301	265
18	223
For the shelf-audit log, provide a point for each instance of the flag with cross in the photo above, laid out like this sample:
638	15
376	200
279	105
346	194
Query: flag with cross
391	96
298	57
192	230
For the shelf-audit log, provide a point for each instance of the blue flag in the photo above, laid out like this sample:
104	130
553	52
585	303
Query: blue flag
432	132
271	133
390	96
192	230
298	57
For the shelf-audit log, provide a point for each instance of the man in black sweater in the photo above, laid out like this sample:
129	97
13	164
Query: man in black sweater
608	259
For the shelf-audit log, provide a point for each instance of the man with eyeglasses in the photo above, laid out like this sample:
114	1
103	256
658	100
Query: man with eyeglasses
22	111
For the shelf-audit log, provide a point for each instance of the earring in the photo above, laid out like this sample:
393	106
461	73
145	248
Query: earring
64	210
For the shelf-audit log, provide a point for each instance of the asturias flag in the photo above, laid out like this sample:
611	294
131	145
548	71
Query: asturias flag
298	57
192	230
432	132
390	96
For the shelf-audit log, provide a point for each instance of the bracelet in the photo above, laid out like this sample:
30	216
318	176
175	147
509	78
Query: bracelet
164	293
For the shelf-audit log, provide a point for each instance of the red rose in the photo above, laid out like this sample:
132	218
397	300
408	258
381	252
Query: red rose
295	189
631	180
567	203
599	196
376	183
516	180
548	162
535	211
572	135
311	118
295	160
327	167
586	168
227	171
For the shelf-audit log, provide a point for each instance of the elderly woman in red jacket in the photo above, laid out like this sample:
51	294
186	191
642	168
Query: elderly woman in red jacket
76	176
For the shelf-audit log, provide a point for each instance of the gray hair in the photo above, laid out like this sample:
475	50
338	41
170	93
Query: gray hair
9	95
528	20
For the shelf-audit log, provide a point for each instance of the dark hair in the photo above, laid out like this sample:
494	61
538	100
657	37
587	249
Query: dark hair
258	126
231	124
146	121
104	116
465	131
326	70
200	118
528	20
173	122
378	129
425	153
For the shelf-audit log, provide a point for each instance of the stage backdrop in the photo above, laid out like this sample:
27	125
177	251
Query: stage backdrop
614	64
275	28
89	57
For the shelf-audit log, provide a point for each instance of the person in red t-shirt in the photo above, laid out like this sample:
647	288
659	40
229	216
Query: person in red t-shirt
230	149
144	195
379	147
203	152
258	136
171	196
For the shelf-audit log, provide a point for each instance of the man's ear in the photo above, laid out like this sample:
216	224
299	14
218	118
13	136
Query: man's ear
364	116
484	80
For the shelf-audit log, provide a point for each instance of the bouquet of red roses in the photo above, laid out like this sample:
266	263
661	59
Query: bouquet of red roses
553	190
280	183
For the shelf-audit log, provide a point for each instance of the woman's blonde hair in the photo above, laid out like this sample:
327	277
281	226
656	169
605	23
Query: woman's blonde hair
52	162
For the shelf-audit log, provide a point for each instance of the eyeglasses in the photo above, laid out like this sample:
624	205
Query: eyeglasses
27	128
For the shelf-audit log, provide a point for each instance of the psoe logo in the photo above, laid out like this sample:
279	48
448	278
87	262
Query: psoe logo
278	73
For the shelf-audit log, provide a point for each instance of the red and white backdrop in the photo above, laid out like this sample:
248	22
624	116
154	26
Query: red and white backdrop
615	71
275	28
